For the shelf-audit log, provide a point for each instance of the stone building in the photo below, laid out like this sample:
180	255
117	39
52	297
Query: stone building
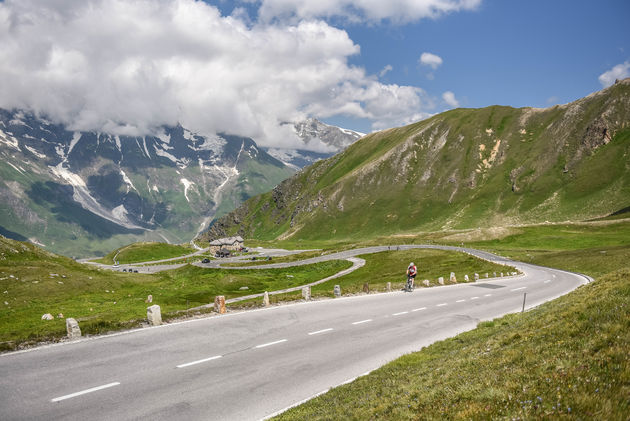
230	243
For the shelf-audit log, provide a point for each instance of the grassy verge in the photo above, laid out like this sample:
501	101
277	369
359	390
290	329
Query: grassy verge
283	259
390	266
145	252
565	359
34	282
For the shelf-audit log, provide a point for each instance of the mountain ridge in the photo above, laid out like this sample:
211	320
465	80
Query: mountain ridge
464	168
85	193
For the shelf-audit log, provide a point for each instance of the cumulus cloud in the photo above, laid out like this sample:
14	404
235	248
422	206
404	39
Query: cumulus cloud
449	98
130	66
385	70
431	60
399	11
620	71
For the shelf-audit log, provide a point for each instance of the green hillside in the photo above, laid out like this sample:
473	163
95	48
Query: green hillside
466	168
145	252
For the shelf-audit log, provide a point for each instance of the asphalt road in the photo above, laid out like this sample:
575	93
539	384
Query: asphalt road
252	364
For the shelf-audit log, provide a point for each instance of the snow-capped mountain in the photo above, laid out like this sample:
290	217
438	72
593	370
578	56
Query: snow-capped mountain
320	141
85	193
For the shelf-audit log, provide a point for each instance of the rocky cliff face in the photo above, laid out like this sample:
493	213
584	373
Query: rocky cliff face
460	169
82	193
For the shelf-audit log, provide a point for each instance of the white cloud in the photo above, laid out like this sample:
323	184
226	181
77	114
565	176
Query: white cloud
620	71
130	66
398	11
449	98
431	60
385	70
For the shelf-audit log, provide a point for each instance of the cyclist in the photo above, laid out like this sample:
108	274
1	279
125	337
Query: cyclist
412	271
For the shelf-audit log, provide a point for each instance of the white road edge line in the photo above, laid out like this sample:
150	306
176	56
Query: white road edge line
460	301
488	295
317	332
547	281
442	305
199	361
518	289
474	298
398	314
419	309
270	343
362	321
83	392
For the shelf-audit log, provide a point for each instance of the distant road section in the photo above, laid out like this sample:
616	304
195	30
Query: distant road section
253	364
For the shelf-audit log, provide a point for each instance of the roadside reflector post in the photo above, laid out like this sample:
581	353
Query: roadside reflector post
306	293
219	304
337	291
72	328
154	315
524	297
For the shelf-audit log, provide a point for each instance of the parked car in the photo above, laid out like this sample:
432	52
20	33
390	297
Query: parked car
206	260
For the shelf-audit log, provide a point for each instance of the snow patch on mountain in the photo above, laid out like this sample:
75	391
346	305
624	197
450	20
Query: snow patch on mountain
71	178
164	137
163	153
146	150
187	185
211	143
34	152
127	181
9	140
21	171
76	136
82	195
120	213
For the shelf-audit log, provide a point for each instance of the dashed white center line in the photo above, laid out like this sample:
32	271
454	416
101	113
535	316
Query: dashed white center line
442	305
398	314
270	343
547	281
518	289
362	321
460	301
83	392
199	361
488	295
474	298
419	309
317	332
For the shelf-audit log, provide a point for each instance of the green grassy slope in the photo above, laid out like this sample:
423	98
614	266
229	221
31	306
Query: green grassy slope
34	282
460	169
145	252
566	359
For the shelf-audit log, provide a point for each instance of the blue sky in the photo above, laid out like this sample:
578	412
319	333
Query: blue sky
248	67
519	53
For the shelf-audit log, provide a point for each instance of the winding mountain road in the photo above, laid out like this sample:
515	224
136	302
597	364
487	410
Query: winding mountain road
250	365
